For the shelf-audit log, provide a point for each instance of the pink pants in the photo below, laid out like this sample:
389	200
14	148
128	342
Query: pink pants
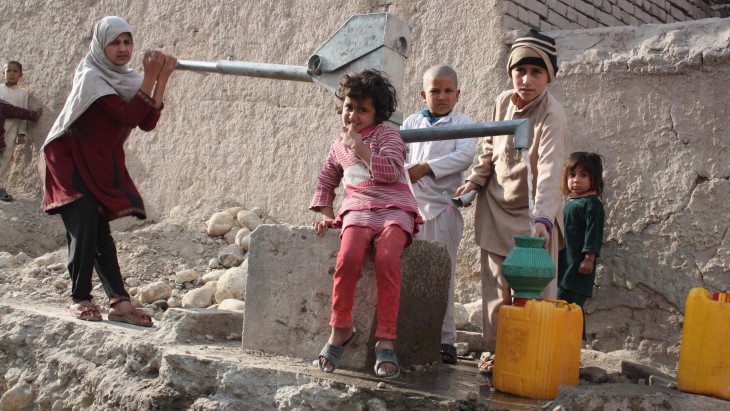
388	245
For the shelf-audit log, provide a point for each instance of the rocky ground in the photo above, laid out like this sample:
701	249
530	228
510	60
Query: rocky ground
194	360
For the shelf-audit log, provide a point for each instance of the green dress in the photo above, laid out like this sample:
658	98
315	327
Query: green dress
584	219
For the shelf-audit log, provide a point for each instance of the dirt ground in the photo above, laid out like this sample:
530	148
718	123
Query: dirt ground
148	251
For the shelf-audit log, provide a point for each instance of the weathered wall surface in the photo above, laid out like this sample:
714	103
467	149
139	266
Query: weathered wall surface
650	99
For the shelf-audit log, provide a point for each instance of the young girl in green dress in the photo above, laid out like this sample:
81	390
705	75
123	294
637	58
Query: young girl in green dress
583	216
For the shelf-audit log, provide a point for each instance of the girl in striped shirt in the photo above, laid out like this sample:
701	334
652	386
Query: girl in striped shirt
378	210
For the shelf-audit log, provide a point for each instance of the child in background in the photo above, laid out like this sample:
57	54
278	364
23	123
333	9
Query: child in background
435	167
583	216
11	94
500	177
379	210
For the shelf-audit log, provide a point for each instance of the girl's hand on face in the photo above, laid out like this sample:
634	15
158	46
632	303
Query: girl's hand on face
153	62
350	137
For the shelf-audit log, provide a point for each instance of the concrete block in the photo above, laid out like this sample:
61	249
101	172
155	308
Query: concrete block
289	292
200	325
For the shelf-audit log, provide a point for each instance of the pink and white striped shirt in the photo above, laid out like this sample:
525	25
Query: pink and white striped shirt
375	197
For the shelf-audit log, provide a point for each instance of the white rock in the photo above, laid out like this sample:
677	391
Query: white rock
133	291
135	302
30	280
240	236
248	219
173	302
231	256
234	210
155	291
230	236
232	304
461	316
258	211
20	397
232	284
44	260
21	258
220	223
212	276
56	266
200	297
32	270
133	282
475	313
60	284
214	263
462	348
186	276
7	260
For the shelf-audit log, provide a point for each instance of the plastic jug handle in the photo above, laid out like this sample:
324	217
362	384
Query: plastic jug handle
557	303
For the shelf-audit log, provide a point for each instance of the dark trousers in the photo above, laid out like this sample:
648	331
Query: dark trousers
90	245
575	298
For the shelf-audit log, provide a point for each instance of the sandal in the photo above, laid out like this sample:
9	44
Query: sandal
334	353
134	317
385	355
448	354
85	311
486	363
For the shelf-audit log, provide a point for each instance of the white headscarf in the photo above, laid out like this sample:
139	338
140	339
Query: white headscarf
96	77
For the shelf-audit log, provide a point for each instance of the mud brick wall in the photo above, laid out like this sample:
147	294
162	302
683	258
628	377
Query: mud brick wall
548	15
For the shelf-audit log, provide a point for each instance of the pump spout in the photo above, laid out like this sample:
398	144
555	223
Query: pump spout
519	128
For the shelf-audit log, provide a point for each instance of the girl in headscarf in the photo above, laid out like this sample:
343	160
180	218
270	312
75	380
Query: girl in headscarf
83	167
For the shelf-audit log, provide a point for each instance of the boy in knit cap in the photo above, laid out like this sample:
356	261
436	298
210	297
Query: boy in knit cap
501	176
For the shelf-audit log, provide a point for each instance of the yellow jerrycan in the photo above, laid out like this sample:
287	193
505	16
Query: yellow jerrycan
538	348
704	357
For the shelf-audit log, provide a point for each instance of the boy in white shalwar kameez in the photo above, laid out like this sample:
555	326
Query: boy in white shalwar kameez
12	93
435	167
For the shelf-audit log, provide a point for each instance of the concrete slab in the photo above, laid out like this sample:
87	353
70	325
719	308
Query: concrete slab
289	289
188	325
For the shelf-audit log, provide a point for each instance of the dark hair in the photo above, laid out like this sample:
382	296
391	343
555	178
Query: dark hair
369	83
17	63
592	163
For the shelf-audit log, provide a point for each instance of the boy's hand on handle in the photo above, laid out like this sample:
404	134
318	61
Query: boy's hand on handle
542	231
467	187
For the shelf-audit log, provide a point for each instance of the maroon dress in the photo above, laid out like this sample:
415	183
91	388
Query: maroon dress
89	158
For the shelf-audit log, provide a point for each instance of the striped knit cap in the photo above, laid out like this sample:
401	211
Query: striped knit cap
534	48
